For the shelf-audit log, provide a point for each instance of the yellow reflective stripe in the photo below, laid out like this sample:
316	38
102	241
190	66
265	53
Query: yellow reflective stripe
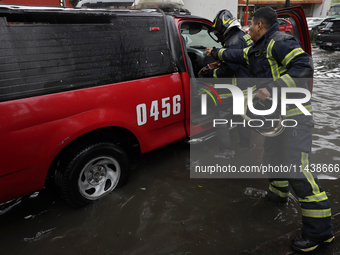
316	213
224	96
292	55
282	69
231	21
234	81
308	174
279	183
277	192
215	74
297	111
288	80
314	198
245	91
247	37
245	54
220	52
272	62
224	21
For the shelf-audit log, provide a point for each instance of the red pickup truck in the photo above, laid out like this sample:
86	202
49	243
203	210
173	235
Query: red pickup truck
80	88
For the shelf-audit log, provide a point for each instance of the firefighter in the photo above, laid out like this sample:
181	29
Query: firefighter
228	31
279	56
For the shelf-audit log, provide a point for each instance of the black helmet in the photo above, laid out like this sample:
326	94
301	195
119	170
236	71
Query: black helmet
223	22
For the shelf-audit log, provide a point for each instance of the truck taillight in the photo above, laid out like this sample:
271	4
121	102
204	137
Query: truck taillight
322	31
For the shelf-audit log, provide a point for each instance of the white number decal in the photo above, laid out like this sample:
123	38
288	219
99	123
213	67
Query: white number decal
176	104
154	112
141	114
166	113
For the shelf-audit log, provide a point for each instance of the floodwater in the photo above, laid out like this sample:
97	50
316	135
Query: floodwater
162	211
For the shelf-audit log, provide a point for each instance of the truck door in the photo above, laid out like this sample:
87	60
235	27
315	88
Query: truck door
195	39
296	16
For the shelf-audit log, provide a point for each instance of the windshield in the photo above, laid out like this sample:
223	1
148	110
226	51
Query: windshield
282	22
314	21
329	24
196	36
334	10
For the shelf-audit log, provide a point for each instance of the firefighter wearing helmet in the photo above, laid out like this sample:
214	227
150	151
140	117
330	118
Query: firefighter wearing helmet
279	58
227	30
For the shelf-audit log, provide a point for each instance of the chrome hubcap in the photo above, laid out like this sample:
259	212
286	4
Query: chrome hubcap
99	177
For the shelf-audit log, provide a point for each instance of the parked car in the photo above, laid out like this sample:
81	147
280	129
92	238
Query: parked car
317	23
309	19
314	25
334	11
329	36
285	26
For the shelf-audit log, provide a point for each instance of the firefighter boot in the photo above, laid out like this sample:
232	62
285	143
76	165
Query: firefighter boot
275	199
303	244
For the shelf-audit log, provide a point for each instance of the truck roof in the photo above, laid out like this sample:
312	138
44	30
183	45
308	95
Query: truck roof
22	9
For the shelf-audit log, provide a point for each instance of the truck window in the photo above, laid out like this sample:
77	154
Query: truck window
197	39
334	10
44	54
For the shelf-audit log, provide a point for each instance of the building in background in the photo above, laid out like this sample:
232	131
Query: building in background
209	9
313	8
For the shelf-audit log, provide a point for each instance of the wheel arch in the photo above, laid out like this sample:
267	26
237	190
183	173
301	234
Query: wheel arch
117	135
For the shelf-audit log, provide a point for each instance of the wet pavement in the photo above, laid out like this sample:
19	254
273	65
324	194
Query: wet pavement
281	245
162	211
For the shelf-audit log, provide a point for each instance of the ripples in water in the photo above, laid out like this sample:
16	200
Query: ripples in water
326	108
326	63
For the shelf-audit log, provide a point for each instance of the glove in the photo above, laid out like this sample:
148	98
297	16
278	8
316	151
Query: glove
204	72
214	53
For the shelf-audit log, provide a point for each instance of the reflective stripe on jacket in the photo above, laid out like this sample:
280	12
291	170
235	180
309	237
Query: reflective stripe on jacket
279	56
235	39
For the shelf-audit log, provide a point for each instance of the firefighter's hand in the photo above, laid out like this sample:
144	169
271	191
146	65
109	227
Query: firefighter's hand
208	51
212	52
263	94
204	72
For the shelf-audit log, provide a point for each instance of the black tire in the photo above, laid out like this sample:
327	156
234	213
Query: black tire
91	172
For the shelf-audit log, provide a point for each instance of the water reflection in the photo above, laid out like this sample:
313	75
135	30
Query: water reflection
326	63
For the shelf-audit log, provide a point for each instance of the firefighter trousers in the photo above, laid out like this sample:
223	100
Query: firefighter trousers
292	148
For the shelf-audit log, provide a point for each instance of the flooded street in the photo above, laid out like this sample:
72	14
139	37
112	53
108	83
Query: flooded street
162	211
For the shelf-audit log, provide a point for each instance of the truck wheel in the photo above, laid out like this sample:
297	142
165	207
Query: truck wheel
92	172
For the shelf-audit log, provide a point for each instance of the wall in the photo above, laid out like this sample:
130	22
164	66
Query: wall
209	9
320	10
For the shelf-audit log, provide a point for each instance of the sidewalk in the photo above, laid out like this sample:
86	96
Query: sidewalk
281	245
